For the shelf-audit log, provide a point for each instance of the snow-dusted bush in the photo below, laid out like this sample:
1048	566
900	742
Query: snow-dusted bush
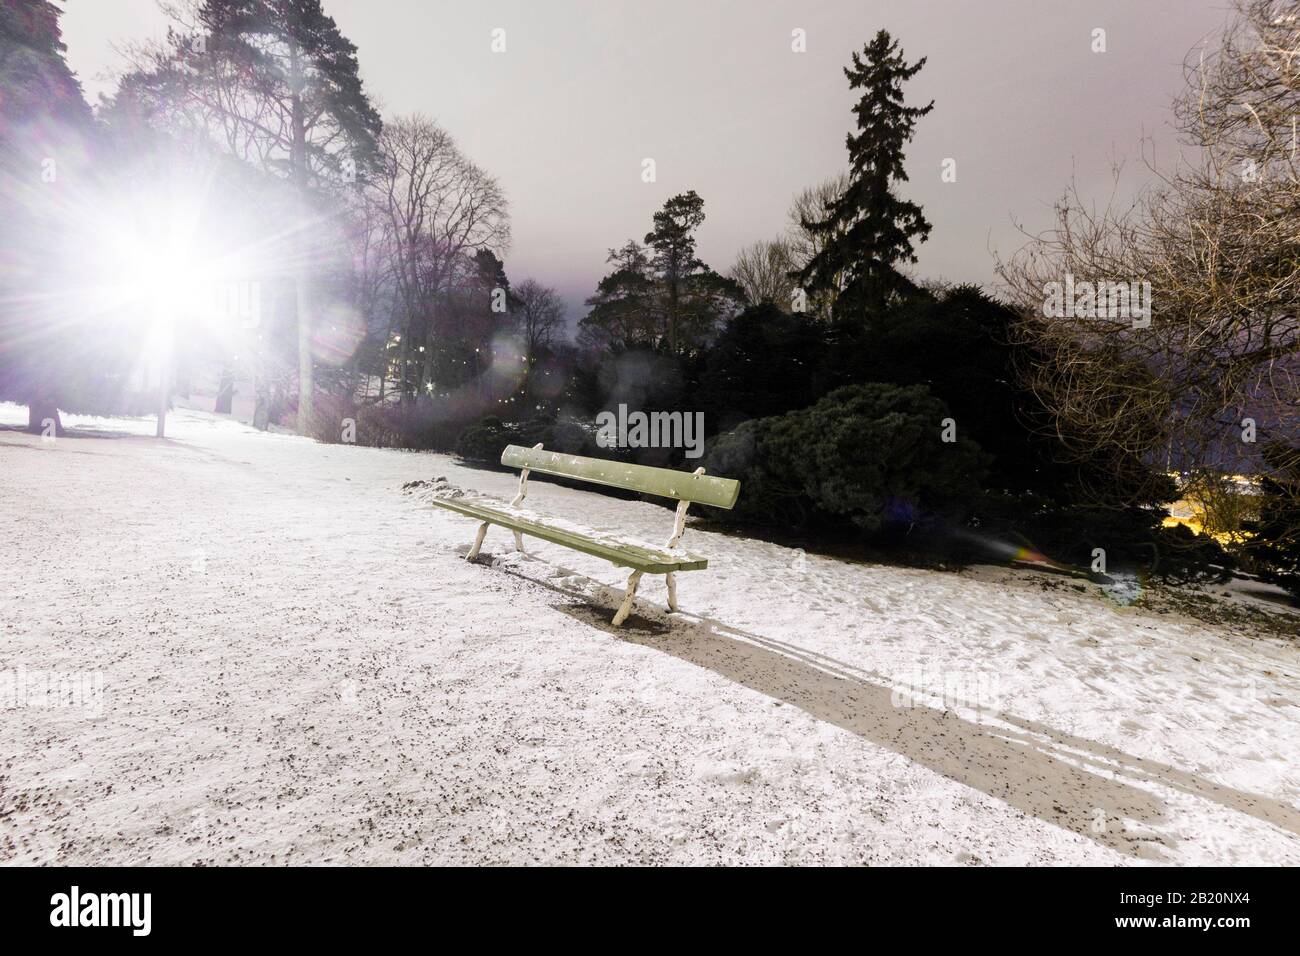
874	454
484	440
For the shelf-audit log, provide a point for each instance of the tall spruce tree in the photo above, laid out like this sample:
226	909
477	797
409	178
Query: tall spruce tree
869	230
34	75
44	120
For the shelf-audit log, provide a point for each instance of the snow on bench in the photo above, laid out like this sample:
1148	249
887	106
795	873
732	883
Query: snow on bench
640	556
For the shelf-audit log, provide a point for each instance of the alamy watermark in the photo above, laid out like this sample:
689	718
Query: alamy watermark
130	910
83	690
948	689
1102	299
626	429
239	302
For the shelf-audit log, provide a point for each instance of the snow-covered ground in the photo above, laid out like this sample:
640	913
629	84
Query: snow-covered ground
299	666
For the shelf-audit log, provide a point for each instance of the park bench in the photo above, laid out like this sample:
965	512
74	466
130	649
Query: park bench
641	557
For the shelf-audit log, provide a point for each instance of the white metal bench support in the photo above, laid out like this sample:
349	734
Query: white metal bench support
626	607
478	542
679	528
519	498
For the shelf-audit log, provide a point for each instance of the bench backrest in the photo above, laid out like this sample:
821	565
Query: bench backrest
664	482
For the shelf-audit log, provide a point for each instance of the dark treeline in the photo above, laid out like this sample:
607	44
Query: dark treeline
850	397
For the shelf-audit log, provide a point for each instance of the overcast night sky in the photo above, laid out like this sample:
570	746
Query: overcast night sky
713	92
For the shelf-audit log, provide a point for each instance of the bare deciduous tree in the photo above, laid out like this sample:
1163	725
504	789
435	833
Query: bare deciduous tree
441	209
811	205
763	270
540	313
1215	378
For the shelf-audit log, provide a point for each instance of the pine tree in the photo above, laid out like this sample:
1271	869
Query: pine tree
694	297
661	295
34	75
869	230
43	119
622	312
673	242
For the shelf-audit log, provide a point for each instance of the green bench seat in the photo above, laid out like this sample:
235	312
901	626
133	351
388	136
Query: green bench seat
626	553
641	557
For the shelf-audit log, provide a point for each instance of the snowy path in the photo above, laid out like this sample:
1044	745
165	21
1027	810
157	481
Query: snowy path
298	666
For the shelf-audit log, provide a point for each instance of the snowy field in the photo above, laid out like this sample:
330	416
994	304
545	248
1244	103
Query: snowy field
299	666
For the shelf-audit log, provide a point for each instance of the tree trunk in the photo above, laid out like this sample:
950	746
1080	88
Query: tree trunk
426	369
261	388
39	412
672	310
164	399
225	392
403	350
383	353
261	408
302	278
306	390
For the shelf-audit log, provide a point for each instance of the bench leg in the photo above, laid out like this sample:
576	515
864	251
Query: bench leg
519	541
672	590
626	607
478	542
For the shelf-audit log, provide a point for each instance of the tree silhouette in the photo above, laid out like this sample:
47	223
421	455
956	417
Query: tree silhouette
869	231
